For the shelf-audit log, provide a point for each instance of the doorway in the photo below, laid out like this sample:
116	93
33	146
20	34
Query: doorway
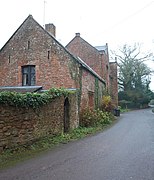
66	116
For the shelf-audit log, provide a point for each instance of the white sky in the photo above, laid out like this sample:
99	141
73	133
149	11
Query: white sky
115	22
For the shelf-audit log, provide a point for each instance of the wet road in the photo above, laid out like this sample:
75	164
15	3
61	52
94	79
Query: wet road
123	152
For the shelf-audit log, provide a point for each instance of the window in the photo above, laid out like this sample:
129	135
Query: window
28	75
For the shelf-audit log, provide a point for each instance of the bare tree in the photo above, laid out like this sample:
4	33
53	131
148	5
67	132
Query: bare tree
133	72
133	76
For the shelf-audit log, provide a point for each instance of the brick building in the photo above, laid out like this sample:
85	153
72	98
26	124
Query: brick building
114	82
33	57
98	59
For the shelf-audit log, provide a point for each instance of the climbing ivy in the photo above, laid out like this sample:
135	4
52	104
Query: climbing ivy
33	100
96	93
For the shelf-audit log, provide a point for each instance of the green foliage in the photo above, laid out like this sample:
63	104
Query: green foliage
57	92
90	118
134	76
134	98
133	72
104	117
33	100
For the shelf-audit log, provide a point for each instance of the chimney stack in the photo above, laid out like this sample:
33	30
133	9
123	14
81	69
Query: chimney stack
51	29
77	34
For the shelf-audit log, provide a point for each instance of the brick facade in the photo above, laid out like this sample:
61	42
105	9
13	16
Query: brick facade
114	82
98	59
87	53
54	65
92	91
50	58
79	66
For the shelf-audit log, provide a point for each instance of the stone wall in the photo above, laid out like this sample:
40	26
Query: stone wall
20	126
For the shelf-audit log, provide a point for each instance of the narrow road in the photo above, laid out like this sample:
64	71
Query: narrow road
123	152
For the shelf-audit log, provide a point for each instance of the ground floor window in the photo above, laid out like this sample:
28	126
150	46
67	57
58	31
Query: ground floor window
28	75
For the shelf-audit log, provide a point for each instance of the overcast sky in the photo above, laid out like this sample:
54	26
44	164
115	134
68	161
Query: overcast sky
115	22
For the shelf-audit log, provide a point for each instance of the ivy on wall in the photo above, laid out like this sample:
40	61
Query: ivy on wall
96	93
33	100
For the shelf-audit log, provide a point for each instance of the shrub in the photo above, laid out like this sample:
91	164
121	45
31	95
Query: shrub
107	104
103	117
90	118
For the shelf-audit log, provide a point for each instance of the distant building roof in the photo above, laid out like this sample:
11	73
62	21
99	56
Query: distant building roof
101	48
21	89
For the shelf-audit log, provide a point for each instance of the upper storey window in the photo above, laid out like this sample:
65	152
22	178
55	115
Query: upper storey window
28	75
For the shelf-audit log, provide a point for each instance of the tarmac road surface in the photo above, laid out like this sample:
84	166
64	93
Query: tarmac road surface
123	152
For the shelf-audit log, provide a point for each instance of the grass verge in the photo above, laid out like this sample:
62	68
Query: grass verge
11	157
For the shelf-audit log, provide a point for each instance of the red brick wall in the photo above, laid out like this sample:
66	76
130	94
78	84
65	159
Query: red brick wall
99	62
87	53
114	83
89	94
30	45
53	72
89	86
